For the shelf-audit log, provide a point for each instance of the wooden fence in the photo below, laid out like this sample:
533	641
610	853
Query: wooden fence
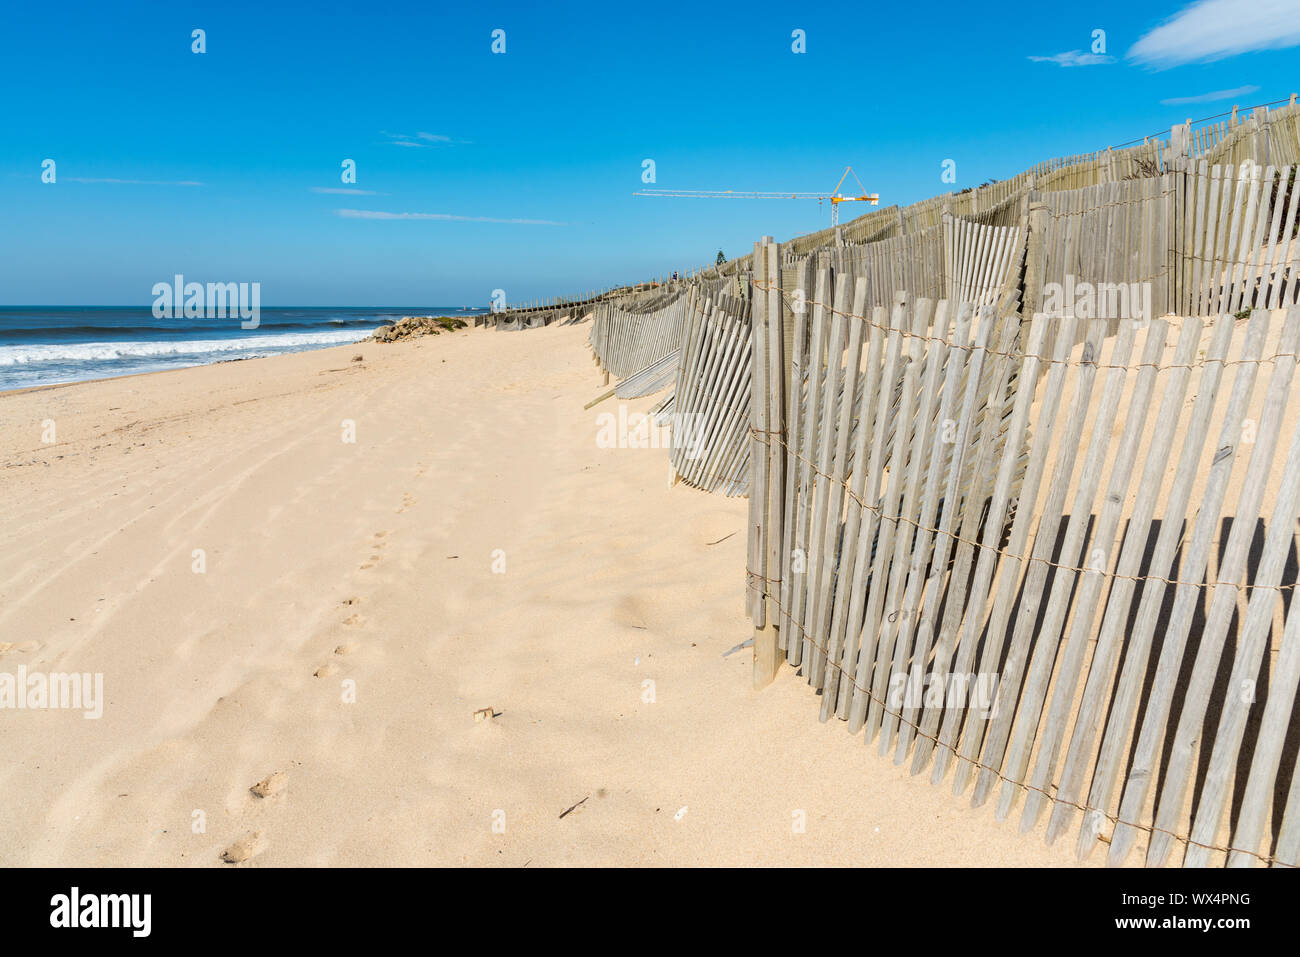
900	583
1106	629
710	405
1266	137
626	338
1023	467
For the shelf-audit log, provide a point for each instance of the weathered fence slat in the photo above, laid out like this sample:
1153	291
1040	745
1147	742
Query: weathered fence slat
1040	561
883	400
1125	581
1025	518
1223	603
1195	554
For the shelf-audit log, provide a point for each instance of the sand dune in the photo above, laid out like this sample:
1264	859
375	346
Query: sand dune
238	573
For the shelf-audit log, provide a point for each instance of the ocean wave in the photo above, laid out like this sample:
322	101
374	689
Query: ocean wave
116	351
53	332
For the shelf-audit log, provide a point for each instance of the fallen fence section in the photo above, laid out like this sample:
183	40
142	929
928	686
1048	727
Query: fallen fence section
710	413
627	339
655	377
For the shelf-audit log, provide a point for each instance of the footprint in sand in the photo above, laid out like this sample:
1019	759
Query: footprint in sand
407	501
353	620
273	783
375	556
248	846
346	648
351	601
326	670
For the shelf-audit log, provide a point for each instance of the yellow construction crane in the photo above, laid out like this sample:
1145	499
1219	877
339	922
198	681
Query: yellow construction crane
834	195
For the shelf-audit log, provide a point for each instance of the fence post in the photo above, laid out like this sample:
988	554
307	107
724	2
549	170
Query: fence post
766	668
757	460
765	492
1035	261
1179	138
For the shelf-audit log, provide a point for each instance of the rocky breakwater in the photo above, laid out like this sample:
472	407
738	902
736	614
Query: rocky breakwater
410	327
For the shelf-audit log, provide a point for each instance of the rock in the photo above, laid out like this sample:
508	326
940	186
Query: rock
409	327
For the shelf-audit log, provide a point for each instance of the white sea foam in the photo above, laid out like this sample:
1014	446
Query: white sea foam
111	351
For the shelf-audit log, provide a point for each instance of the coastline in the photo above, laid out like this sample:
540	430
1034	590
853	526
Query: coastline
54	345
136	375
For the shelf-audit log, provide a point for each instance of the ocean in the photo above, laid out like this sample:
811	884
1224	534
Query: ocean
42	345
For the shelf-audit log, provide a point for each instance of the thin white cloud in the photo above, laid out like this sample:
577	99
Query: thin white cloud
135	182
343	191
1075	58
440	217
417	140
1213	29
1212	97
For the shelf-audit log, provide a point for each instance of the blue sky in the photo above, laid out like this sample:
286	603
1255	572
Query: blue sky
539	149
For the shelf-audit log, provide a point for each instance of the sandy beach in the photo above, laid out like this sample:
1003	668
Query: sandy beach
266	599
